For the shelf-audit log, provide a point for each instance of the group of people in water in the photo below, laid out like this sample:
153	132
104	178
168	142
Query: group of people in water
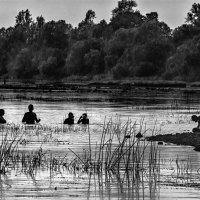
31	118
82	120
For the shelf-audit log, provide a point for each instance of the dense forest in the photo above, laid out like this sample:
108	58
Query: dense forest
131	45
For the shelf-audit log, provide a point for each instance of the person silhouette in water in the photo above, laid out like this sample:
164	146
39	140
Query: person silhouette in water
83	119
70	119
196	119
30	117
2	120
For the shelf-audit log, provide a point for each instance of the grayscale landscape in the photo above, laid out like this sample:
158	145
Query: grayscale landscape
126	73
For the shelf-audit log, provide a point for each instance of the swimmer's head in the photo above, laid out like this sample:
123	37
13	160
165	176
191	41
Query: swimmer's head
194	118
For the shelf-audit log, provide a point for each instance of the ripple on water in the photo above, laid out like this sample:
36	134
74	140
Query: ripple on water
82	186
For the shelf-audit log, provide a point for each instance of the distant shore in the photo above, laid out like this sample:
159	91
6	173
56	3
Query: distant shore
112	90
119	84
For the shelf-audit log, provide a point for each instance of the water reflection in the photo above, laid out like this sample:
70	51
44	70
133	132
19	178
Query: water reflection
64	184
170	121
50	173
179	166
24	167
122	186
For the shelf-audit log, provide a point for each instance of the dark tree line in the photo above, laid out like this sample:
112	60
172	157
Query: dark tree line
130	45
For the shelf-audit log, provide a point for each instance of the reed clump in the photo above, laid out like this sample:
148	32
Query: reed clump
8	147
120	155
120	149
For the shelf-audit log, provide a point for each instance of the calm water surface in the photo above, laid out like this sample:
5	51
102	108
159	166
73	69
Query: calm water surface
69	186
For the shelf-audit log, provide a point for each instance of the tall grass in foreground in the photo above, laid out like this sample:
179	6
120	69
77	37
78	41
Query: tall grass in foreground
119	158
8	146
120	149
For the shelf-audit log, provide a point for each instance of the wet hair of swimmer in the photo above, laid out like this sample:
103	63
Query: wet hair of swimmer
70	115
194	118
2	112
84	115
30	107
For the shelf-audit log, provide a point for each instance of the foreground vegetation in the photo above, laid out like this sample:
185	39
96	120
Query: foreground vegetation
118	149
119	155
119	152
130	45
109	162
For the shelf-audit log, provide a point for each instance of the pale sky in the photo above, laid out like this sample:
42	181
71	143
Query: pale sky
172	12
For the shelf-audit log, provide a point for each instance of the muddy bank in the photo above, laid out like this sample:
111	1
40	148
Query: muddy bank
107	87
111	91
187	138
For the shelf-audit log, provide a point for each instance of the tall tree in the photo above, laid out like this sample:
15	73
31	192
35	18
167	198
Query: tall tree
23	18
123	7
55	34
40	21
85	27
100	29
193	17
124	16
152	16
24	26
89	17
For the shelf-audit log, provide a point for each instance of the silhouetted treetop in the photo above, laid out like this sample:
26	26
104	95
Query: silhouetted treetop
123	7
23	18
193	17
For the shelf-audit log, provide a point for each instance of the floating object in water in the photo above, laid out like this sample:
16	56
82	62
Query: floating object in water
160	143
127	136
139	135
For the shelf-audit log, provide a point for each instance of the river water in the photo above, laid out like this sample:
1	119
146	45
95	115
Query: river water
150	113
